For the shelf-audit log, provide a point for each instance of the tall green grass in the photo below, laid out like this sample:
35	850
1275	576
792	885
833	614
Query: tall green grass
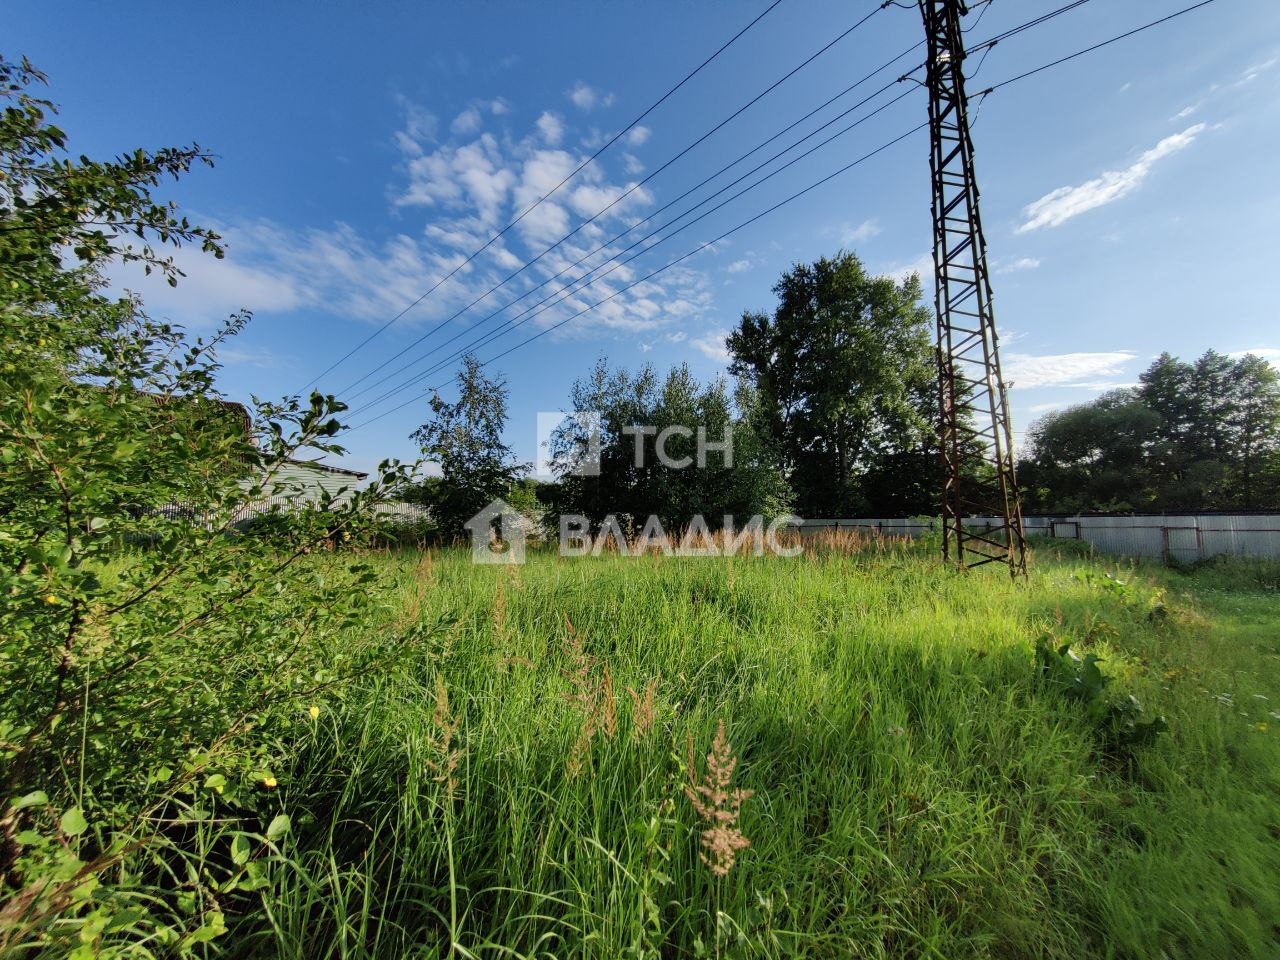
916	791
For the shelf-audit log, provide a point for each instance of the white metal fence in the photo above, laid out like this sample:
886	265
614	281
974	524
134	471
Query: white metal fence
395	513
1178	539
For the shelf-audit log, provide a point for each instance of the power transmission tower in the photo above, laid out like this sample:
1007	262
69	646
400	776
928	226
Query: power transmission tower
976	439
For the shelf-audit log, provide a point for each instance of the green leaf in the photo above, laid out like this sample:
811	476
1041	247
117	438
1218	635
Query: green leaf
278	827
239	850
32	799
73	822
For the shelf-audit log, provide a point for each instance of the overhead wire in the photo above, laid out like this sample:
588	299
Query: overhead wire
812	186
986	45
701	247
632	227
564	293
1099	46
614	139
623	196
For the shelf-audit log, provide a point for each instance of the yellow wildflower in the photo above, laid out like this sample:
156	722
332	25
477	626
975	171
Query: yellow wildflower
1262	727
314	711
51	599
269	782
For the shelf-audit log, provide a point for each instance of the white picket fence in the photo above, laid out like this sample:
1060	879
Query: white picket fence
1169	538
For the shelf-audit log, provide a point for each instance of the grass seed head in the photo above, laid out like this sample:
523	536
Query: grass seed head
718	803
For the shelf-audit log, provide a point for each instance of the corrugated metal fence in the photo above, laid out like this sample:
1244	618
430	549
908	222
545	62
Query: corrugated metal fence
1178	539
395	513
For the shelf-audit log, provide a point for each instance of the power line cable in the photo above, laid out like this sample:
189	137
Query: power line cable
648	236
668	266
986	46
812	186
614	139
1099	46
567	291
629	191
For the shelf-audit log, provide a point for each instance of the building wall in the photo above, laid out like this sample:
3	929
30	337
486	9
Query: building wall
306	482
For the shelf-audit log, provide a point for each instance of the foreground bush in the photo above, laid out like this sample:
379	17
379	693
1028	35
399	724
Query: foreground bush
157	666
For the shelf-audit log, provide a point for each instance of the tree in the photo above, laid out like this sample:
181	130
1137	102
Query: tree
465	439
1253	427
639	411
158	658
1191	437
845	375
1093	457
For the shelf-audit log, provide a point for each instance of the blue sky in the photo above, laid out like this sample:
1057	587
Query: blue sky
365	149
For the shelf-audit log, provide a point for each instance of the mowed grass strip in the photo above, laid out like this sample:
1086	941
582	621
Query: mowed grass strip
517	784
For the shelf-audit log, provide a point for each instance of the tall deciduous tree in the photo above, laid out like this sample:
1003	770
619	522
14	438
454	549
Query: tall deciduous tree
465	439
1191	436
637	412
845	377
1254	428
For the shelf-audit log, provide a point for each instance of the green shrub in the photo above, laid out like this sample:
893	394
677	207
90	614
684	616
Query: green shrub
154	665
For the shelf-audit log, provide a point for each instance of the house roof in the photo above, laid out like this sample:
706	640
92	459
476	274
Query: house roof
328	469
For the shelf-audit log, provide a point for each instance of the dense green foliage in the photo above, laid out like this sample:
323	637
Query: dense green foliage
464	439
845	377
737	474
1190	437
155	664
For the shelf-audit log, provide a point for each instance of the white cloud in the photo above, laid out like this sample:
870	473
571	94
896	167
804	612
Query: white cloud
499	107
1046	407
551	127
1016	266
1227	88
213	289
713	345
1271	354
679	336
631	164
1059	206
459	192
1027	371
637	136
454	177
857	234
420	124
738	266
465	123
260	357
921	265
583	97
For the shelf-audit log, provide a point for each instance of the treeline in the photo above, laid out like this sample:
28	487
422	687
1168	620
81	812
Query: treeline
832	412
1190	437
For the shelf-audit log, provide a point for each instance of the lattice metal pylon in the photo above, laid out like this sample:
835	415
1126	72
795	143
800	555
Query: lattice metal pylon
976	439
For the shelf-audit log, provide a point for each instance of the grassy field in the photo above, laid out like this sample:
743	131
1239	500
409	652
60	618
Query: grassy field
518	783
